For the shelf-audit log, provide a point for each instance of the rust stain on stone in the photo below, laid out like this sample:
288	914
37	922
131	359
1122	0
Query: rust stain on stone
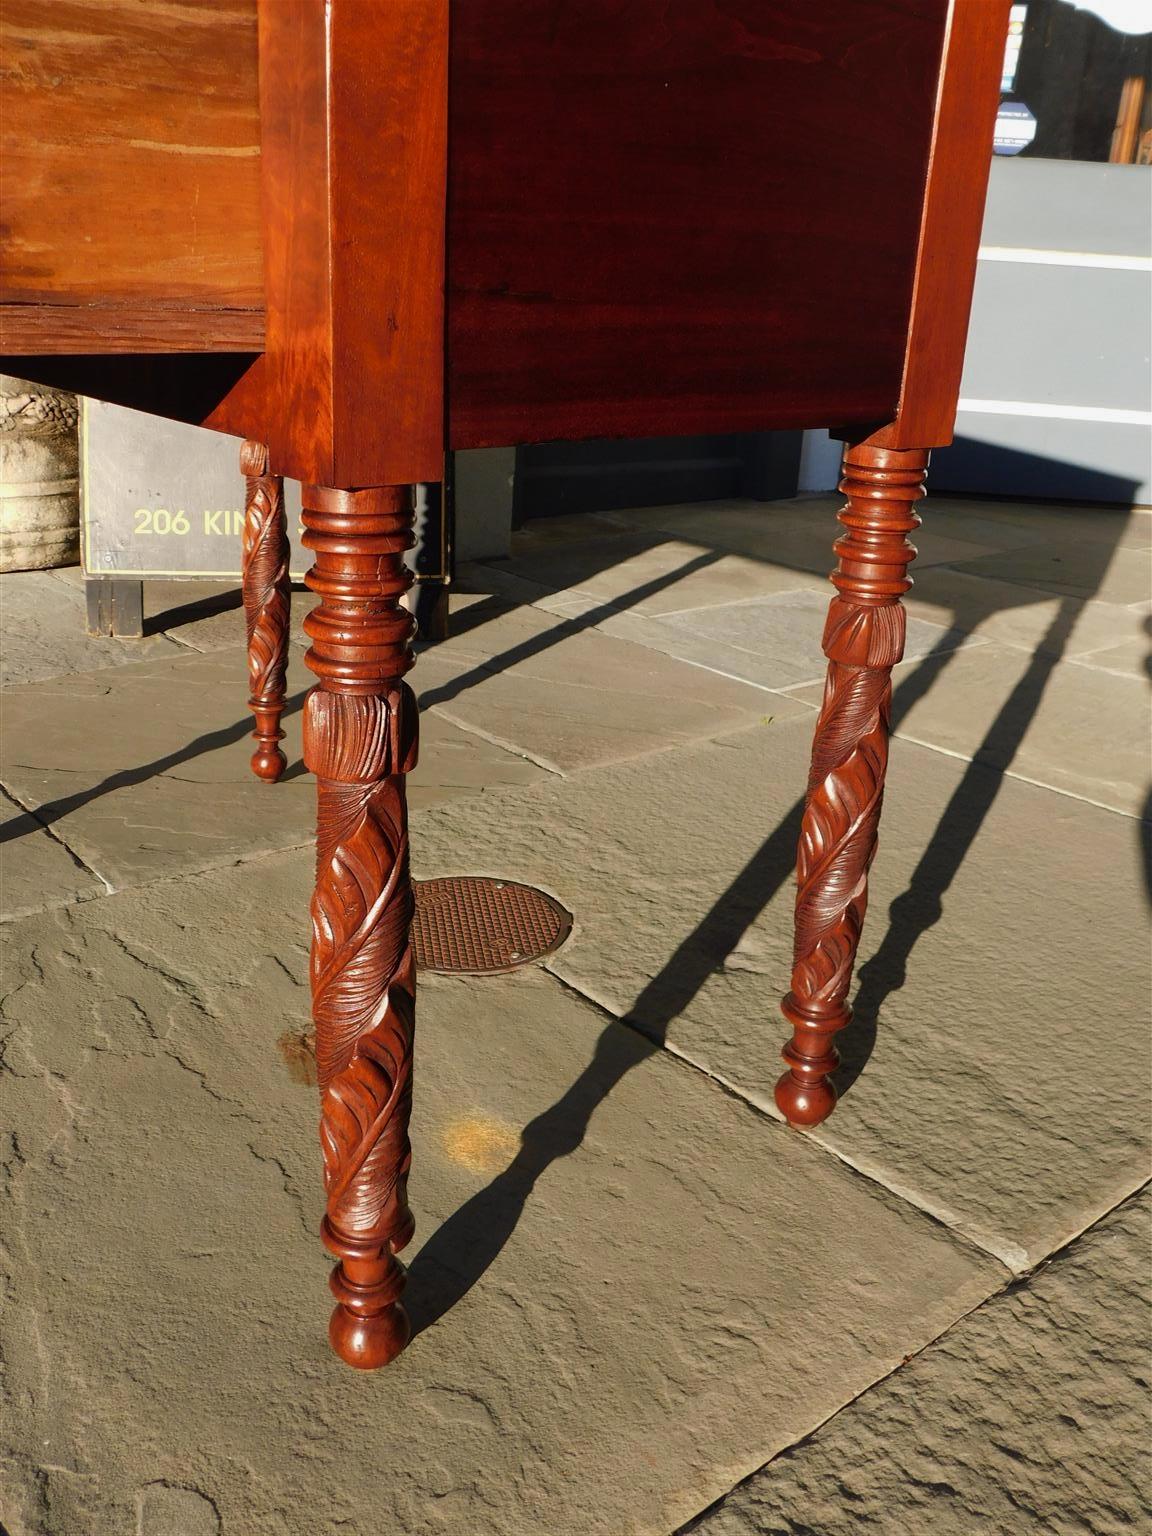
298	1048
481	1143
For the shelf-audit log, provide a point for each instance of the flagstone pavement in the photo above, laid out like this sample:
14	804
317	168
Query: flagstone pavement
642	1304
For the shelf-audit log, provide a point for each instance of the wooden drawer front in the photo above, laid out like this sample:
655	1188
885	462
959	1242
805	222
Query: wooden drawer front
130	173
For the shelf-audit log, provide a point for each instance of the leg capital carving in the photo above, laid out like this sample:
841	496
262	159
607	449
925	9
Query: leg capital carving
864	634
357	738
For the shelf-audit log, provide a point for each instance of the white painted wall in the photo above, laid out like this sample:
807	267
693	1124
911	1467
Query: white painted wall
819	462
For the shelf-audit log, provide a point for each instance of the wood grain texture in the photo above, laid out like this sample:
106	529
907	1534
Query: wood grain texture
59	329
863	640
682	217
708	215
360	739
952	213
353	106
129	142
267	591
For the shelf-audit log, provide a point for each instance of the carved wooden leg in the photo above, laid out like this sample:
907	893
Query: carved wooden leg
360	732
267	605
863	640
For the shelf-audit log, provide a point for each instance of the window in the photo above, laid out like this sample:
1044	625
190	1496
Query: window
1076	81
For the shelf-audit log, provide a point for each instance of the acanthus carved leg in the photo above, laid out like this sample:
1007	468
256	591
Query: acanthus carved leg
267	605
360	736
863	640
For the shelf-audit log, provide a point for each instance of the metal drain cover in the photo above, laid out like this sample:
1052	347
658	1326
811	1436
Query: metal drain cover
468	924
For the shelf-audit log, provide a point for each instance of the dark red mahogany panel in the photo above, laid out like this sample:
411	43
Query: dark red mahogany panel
682	215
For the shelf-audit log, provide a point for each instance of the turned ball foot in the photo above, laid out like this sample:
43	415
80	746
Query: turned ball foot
268	762
804	1105
369	1342
369	1326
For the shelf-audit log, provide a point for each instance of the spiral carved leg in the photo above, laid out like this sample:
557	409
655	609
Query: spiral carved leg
360	738
863	640
267	605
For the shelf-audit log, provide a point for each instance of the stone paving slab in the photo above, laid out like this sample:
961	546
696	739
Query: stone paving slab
72	574
542	533
1131	658
1020	615
1074	728
655	1288
42	632
35	870
1079	568
1004	937
772	641
209	616
654	573
1029	1418
799	533
1038	522
492	578
144	770
1010	526
201	615
1016	525
573	698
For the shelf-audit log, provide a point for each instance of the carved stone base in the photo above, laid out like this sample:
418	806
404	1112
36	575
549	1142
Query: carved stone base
368	1326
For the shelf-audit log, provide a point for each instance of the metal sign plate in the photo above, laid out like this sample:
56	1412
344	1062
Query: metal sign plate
161	499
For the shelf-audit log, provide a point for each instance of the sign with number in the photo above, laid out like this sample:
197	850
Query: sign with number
162	499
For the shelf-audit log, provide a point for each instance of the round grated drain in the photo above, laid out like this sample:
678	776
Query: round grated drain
466	923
